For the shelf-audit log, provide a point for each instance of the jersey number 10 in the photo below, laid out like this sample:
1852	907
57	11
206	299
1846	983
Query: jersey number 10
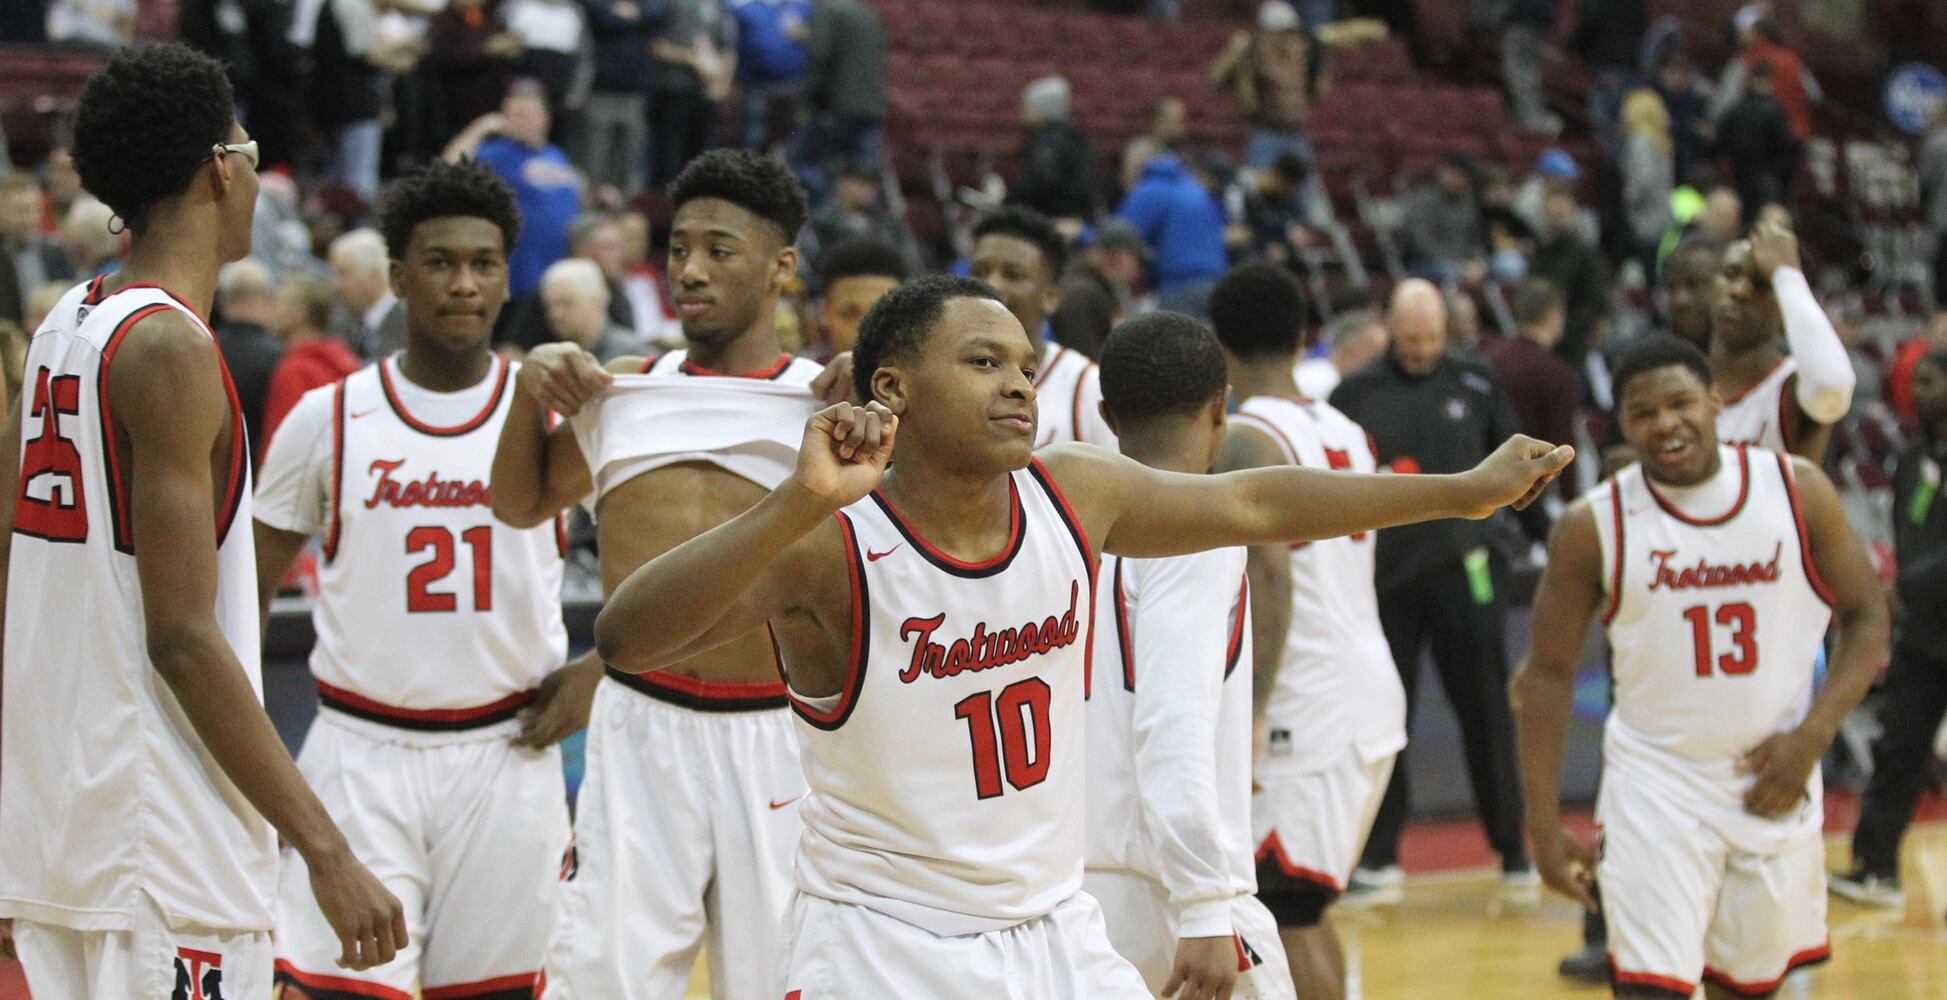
1021	705
420	596
1742	620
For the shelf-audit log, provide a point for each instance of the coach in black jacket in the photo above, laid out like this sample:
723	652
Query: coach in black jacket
1435	409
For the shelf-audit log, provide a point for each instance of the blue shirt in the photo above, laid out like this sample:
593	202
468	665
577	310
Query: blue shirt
766	52
1180	220
548	193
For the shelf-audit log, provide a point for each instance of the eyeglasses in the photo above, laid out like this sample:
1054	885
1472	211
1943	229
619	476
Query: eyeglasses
247	150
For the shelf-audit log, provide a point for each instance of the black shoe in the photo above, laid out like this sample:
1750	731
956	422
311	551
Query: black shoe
1590	965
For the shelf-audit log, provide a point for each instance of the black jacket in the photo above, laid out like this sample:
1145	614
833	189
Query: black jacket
622	63
1057	173
251	353
845	61
1920	546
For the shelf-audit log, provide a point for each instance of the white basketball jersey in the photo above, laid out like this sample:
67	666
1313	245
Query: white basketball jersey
431	614
1169	724
1765	414
1337	689
749	425
1715	618
1067	399
107	791
946	776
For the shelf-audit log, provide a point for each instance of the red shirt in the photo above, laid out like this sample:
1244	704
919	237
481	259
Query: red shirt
302	369
1787	83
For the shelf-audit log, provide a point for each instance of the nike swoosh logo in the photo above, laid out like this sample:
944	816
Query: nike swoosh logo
871	556
776	805
365	413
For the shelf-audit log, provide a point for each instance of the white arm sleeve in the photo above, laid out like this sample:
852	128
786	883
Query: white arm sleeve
1825	375
294	484
1180	638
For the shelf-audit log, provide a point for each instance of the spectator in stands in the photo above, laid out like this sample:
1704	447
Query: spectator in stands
1525	25
246	307
1181	220
61	180
845	88
1756	134
1792	83
514	144
1647	166
554	44
1687	99
1555	170
854	274
1541	386
1463	320
1510	238
615	124
1272	207
1269	73
643	286
575	295
369	319
1931	171
1098	290
311	358
28	259
1899	376
1575	267
853	209
771	37
1608	36
1722	220
1353	340
595	237
96	24
470	58
1435	410
1441	228
1169	125
93	244
1057	161
1915	694
696	55
343	90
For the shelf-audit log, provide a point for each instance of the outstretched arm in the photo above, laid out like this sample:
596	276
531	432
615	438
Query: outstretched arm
727	580
1784	762
538	470
1544	689
169	399
1142	512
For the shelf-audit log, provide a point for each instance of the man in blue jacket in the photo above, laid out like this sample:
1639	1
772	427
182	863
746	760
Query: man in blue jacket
771	37
1181	220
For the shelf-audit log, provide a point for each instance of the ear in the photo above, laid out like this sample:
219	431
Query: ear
221	176
889	388
786	264
1108	417
395	273
1220	410
1050	301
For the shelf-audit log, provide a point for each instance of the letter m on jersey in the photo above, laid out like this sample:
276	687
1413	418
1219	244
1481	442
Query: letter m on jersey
51	503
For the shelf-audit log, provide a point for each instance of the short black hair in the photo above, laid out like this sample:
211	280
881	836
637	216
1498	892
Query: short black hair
1161	364
860	256
757	184
1535	299
1025	223
1258	310
146	121
1656	351
442	190
898	323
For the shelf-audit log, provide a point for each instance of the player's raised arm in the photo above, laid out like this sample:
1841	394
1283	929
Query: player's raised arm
724	582
1825	381
1784	762
1543	690
168	396
1142	512
540	471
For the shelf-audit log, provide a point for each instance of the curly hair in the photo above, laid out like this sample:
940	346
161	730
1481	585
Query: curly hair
1653	352
146	121
1163	364
858	257
1258	310
442	190
900	321
1027	224
757	184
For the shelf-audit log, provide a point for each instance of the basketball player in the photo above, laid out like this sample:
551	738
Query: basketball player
1782	402
933	641
1169	760
1020	254
1328	698
143	780
1717	570
436	626
689	810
